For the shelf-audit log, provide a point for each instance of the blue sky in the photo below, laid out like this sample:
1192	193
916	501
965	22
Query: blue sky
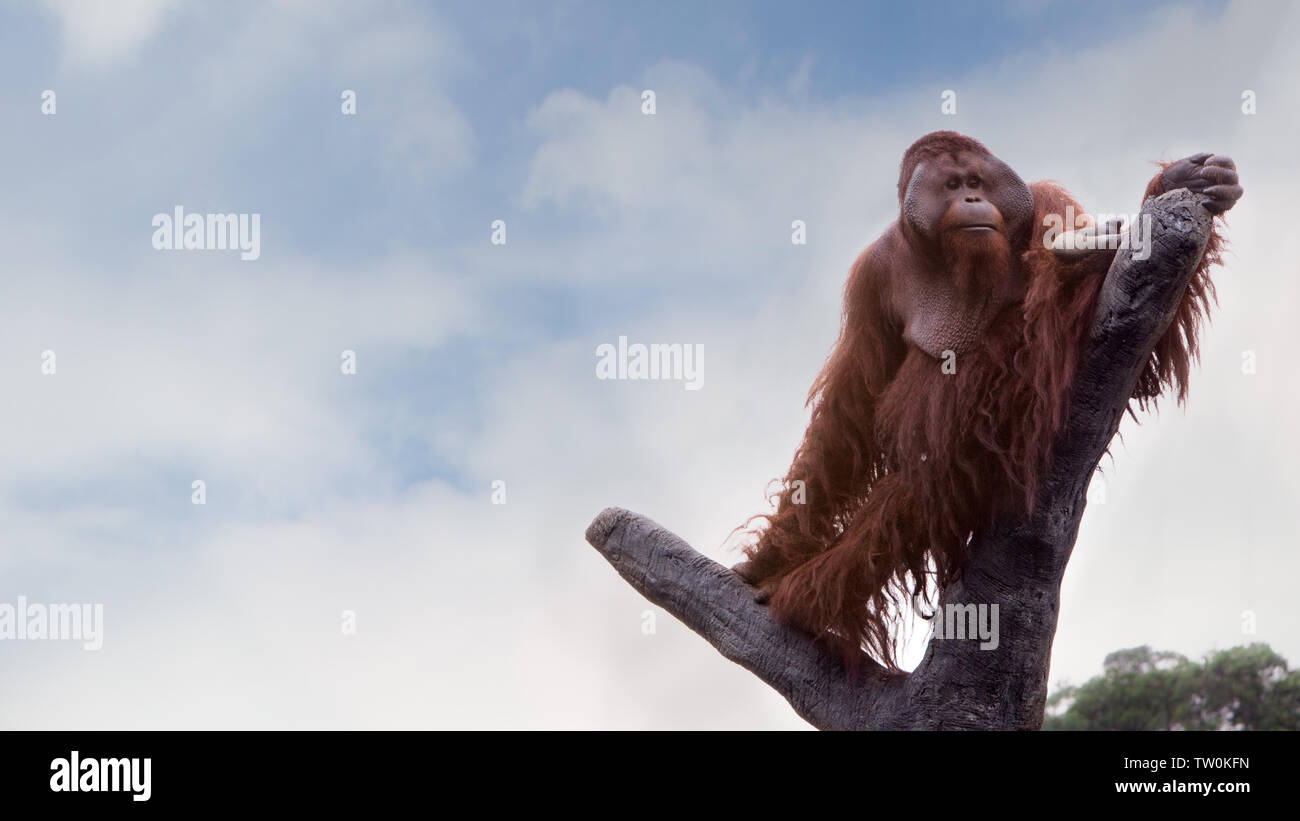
371	493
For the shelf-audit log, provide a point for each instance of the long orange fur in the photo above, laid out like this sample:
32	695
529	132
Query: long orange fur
901	464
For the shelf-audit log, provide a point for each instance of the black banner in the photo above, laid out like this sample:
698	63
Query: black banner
141	772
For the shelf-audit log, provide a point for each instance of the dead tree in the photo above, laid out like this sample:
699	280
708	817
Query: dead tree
1018	562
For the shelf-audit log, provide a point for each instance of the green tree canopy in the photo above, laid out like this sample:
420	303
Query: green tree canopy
1243	688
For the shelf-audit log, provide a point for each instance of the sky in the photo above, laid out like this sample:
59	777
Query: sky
349	567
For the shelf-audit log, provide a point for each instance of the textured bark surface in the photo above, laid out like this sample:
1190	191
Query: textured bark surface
1017	564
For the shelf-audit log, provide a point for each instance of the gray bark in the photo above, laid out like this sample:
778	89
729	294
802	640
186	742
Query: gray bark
1018	563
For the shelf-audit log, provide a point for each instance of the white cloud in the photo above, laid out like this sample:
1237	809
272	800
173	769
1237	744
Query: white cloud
97	35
